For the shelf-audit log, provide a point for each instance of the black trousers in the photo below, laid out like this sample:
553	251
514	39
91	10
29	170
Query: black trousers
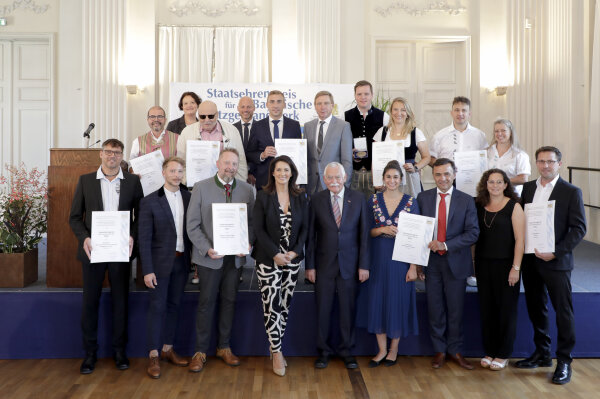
221	284
326	287
498	306
93	277
164	305
540	283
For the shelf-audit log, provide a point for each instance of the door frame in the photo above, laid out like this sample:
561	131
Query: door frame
50	39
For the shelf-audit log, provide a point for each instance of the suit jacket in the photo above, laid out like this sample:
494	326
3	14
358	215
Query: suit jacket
569	223
88	198
267	228
199	218
157	233
462	229
177	125
260	138
345	249
337	147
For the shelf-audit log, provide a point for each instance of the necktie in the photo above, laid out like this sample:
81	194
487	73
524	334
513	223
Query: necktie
246	134
320	139
336	210
228	193
441	230
275	130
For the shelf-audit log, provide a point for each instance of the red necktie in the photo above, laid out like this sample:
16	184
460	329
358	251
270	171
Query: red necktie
441	230
228	194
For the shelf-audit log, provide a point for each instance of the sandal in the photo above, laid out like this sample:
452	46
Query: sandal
497	366
486	361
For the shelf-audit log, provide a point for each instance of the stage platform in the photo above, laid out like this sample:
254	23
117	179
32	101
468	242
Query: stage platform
41	322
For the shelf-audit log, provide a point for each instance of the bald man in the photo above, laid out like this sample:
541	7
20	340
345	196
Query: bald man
157	138
210	127
246	110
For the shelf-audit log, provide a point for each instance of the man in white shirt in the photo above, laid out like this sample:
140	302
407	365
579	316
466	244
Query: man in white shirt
459	136
157	138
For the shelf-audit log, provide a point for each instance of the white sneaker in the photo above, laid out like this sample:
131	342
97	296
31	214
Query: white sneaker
472	281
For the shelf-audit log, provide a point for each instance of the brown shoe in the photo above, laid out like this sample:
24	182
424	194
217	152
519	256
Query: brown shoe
174	358
197	363
153	369
461	361
438	360
228	357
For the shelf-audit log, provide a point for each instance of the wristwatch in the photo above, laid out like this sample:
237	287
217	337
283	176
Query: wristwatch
517	268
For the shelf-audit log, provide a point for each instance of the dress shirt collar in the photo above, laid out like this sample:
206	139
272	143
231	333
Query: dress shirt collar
280	120
326	120
340	194
223	183
453	129
538	183
100	174
159	138
449	192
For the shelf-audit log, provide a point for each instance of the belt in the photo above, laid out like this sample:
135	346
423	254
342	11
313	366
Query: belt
178	254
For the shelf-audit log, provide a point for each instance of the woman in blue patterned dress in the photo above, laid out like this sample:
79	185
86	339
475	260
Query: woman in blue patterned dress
392	300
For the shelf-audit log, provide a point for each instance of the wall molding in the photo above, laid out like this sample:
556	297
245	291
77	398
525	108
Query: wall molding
28	5
435	7
194	6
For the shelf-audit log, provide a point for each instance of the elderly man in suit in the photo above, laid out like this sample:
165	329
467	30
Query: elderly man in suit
549	274
219	275
450	263
329	139
165	257
107	189
211	128
261	146
244	125
337	259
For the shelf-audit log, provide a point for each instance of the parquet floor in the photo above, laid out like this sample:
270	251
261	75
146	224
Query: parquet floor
412	377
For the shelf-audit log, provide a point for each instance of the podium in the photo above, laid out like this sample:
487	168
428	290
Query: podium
63	270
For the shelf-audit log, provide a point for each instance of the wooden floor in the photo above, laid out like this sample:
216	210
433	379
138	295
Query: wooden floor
412	377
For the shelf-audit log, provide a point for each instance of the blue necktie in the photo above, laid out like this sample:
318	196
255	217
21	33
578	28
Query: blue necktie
275	130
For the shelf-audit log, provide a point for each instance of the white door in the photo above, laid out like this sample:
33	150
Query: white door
26	102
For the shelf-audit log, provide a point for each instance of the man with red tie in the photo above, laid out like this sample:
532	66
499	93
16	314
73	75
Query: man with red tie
450	263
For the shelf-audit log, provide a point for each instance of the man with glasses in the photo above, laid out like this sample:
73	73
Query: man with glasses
107	189
210	127
157	138
551	272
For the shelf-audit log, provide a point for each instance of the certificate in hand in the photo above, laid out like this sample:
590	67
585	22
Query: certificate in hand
296	150
201	160
415	232
110	236
470	165
230	229
539	229
384	152
149	167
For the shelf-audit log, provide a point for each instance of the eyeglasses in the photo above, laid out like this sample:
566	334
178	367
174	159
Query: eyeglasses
492	182
111	153
550	162
207	116
153	117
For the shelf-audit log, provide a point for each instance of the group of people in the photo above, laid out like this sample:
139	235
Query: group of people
343	229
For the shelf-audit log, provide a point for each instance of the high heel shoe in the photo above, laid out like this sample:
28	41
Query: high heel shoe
271	356
277	370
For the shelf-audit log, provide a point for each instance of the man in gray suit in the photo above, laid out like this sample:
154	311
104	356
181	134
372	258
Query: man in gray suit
218	275
329	139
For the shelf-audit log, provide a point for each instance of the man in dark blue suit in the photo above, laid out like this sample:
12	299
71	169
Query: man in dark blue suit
337	258
450	261
261	146
165	257
549	274
244	126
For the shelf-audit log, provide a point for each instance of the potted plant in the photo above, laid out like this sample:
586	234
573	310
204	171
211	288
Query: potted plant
23	222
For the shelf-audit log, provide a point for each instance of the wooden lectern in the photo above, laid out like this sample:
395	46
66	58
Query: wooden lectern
66	165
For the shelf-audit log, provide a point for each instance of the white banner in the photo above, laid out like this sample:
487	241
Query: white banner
299	98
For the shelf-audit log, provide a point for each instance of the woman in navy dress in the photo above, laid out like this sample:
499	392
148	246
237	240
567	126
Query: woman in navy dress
392	300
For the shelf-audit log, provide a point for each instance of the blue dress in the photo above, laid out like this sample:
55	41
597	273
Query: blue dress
392	302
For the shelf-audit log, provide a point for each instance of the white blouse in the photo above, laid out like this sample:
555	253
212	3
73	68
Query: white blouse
514	162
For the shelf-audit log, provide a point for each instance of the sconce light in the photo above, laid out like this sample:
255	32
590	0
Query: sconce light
132	89
2	21
500	90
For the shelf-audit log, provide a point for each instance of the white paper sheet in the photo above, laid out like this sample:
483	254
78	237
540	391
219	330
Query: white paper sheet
149	167
539	228
201	160
230	229
110	236
415	232
384	152
296	150
470	165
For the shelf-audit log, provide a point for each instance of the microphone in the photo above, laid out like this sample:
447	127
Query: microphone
91	145
88	130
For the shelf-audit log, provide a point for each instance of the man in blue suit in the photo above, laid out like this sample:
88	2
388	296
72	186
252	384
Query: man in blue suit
165	257
261	146
450	263
337	258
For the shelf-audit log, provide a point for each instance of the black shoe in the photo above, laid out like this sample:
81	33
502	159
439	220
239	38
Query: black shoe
89	363
322	362
562	374
121	360
389	363
350	362
374	363
534	361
